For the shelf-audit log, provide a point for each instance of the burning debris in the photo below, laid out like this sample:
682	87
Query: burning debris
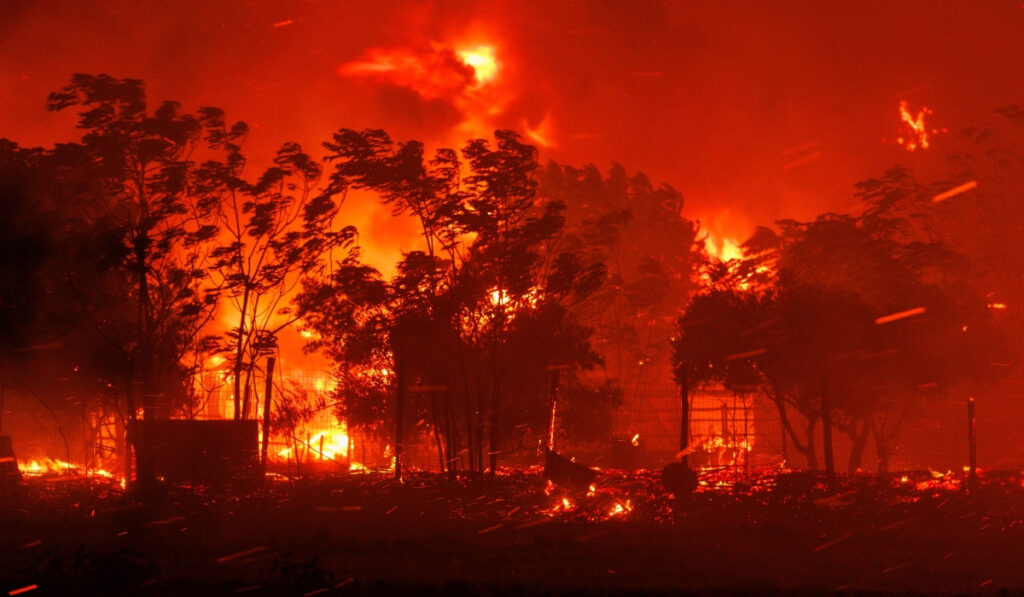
914	134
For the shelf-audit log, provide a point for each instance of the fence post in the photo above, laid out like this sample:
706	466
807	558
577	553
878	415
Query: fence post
267	401
972	443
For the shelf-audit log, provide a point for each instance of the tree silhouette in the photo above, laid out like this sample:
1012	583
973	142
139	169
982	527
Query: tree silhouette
276	231
138	188
455	320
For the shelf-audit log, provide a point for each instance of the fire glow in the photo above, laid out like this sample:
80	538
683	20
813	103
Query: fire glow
914	133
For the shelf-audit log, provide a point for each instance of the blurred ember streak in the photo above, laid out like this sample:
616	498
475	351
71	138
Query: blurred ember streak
489	529
829	544
635	441
23	590
540	134
241	554
802	161
743	355
283	23
900	315
967	186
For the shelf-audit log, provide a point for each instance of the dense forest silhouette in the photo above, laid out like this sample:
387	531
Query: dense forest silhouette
121	251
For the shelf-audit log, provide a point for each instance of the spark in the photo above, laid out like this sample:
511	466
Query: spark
23	590
900	315
967	186
636	440
283	23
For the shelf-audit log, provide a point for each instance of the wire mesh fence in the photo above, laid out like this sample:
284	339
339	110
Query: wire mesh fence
728	429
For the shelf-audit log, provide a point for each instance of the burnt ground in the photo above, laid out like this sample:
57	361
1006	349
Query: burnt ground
365	533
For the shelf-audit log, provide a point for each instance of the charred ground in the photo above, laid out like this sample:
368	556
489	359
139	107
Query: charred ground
366	533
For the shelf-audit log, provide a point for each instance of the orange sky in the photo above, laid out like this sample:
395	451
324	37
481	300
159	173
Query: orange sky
755	111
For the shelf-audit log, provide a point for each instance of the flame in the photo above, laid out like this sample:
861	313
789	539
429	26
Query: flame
913	132
621	508
723	248
636	440
329	445
483	61
43	466
467	73
433	73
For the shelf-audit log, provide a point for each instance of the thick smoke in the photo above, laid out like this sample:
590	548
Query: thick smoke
711	98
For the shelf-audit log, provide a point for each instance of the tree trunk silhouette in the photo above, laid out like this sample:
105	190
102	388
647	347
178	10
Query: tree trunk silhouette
826	422
265	447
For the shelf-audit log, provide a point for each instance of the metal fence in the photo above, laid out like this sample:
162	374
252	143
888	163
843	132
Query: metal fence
725	429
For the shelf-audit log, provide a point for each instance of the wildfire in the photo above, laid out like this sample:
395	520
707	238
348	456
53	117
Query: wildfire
466	73
45	466
332	445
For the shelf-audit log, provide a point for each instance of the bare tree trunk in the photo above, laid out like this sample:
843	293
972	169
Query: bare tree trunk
811	453
492	451
265	447
826	421
860	442
400	390
972	444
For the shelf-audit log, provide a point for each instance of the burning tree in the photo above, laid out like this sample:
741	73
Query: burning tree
135	186
855	321
276	231
639	231
483	301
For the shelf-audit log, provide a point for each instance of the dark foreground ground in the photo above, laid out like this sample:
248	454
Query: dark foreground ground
365	533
